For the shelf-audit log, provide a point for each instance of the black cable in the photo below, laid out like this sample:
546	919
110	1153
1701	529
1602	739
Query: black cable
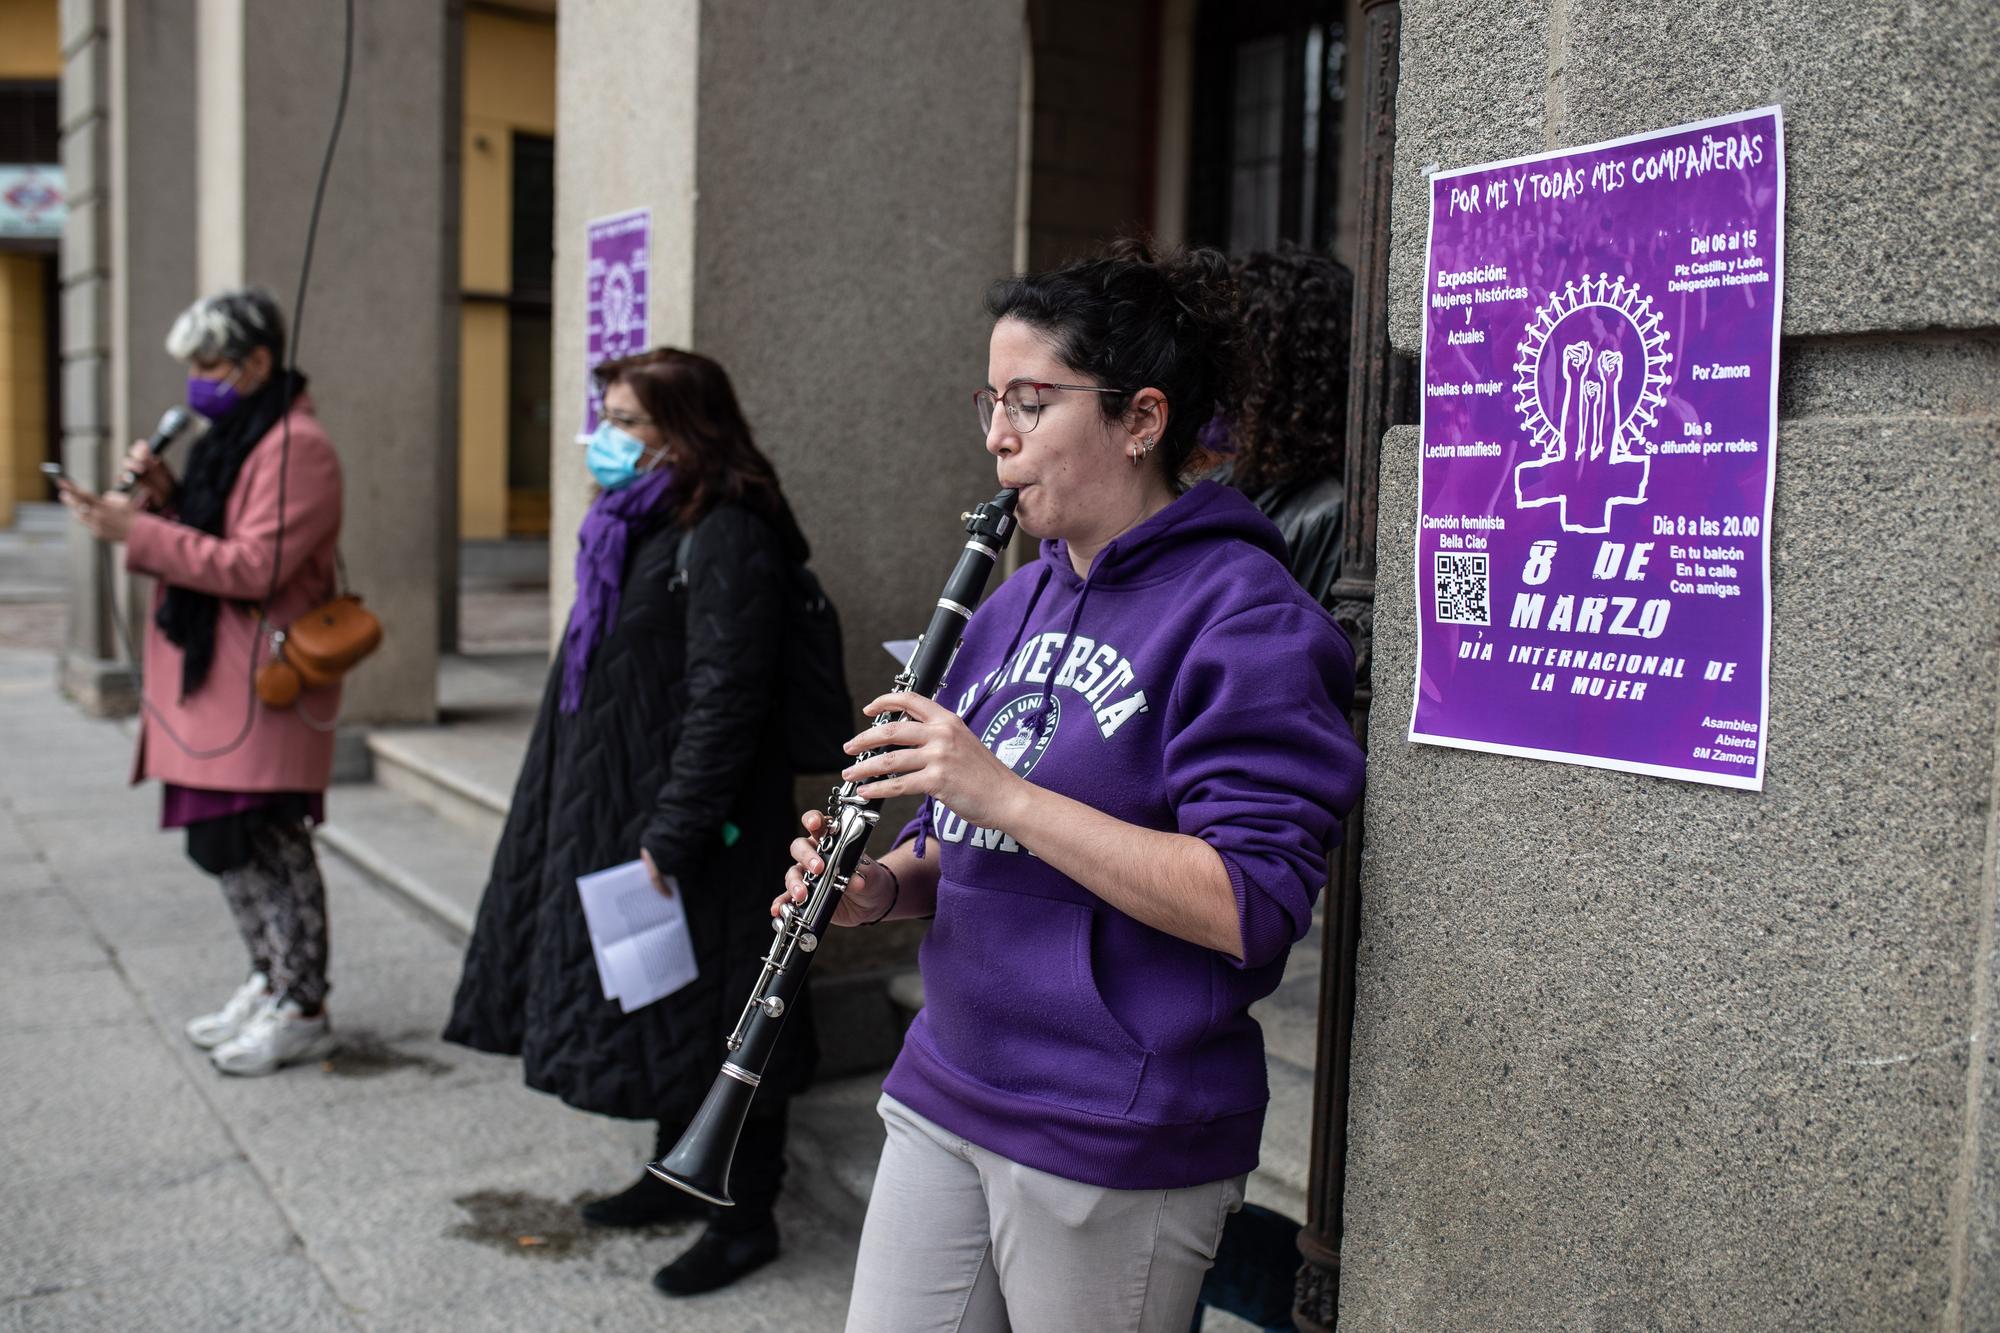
290	373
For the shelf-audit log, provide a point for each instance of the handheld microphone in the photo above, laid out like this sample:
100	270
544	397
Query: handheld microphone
173	424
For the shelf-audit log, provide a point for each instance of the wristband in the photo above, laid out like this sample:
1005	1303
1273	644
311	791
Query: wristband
895	893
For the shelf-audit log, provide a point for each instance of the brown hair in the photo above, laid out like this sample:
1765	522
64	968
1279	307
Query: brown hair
689	397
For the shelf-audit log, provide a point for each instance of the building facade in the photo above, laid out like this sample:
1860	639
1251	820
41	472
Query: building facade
1624	1052
31	222
1637	1053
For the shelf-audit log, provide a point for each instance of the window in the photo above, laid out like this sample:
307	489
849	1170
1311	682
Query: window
1267	110
28	122
528	335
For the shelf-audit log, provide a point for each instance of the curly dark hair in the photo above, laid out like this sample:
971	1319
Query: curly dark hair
1290	419
1139	317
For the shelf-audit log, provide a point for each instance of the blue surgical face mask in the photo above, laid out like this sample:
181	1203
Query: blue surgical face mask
613	456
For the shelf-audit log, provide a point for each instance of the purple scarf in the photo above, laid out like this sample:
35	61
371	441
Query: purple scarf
600	572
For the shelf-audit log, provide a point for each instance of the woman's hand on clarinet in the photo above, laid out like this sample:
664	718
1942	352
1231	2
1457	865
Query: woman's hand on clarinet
868	888
936	756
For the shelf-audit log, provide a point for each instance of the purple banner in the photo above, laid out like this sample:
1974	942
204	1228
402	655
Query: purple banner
614	303
1599	431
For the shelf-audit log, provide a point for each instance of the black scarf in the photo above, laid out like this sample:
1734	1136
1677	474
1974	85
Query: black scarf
188	617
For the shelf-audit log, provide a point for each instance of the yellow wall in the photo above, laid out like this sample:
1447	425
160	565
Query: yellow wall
30	48
24	408
30	39
510	84
482	421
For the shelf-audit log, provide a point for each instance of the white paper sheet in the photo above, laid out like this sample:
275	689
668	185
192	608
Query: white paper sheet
639	936
900	649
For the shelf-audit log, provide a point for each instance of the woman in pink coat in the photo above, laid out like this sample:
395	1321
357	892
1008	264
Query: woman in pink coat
242	543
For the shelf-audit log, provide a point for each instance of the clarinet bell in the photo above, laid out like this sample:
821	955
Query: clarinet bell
700	1162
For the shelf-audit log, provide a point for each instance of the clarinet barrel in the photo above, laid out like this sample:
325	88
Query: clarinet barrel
700	1162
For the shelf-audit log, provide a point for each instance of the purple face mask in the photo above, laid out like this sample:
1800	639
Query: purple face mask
214	399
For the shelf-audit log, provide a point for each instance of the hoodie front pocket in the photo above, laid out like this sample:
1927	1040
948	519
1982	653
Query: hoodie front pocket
1009	1002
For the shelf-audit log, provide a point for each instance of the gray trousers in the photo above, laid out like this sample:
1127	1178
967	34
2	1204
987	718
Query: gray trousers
962	1240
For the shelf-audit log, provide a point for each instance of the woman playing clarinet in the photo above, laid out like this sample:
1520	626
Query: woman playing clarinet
1131	781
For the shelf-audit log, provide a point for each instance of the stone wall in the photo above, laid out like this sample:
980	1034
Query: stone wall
1636	1053
379	340
832	188
830	256
91	670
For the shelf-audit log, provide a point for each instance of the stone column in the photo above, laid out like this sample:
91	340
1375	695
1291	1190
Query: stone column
1637	1053
627	90
832	188
831	191
91	670
151	228
379	328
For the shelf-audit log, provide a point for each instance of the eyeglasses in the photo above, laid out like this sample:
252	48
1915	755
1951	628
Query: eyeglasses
625	420
1023	401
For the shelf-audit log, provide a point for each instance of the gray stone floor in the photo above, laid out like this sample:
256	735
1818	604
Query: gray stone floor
33	567
402	1184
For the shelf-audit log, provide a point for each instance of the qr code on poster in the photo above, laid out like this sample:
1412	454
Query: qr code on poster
1461	589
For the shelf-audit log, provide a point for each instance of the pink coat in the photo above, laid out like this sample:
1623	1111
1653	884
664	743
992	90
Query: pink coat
282	751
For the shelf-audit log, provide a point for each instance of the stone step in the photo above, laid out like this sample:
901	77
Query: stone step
836	1142
837	1133
411	849
407	848
464	768
462	780
1290	1019
426	830
1284	1157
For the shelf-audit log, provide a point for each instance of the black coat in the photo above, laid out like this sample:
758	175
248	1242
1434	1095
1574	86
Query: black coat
678	735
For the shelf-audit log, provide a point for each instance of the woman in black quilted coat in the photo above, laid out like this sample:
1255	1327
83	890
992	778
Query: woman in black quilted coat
659	737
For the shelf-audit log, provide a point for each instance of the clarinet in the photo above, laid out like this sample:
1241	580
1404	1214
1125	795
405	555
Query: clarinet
700	1162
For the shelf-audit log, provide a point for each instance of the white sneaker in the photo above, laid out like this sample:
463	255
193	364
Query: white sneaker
211	1030
276	1036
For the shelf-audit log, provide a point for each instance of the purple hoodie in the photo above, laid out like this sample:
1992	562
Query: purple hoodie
1189	685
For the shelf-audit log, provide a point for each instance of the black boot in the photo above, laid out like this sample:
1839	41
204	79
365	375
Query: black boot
651	1200
719	1258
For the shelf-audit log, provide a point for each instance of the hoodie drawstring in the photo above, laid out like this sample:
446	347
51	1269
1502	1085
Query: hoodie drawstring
1040	716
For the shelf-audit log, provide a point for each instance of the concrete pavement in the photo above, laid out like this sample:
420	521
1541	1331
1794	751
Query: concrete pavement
33	568
403	1184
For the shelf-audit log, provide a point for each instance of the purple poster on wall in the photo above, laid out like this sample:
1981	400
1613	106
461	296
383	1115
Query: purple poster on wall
614	304
1599	427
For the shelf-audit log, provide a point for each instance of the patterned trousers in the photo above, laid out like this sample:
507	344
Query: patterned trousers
279	903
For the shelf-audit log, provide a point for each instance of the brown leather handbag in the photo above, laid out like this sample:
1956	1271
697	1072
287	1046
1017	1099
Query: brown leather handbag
317	649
